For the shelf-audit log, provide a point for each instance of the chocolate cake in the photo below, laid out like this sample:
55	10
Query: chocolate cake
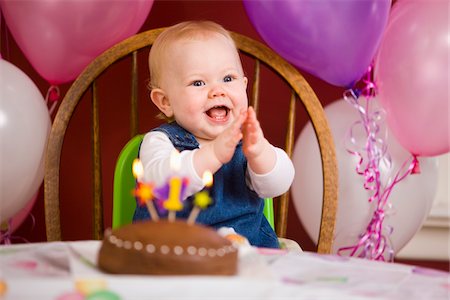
167	248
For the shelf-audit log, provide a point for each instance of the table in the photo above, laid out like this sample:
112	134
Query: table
50	270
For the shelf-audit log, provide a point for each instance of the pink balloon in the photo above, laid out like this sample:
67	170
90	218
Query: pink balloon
412	72
411	198
60	38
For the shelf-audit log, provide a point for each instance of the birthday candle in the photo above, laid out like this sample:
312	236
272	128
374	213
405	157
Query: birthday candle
173	202
144	191
202	198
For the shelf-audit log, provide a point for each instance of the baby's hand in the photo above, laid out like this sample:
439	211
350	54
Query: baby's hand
259	152
253	141
225	144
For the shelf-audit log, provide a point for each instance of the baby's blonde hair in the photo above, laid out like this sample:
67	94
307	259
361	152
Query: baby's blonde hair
181	31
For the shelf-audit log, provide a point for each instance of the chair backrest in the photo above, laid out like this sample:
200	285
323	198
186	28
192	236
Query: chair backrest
263	56
124	203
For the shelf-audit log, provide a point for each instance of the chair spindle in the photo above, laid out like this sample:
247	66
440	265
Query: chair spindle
134	120
283	201
255	90
97	174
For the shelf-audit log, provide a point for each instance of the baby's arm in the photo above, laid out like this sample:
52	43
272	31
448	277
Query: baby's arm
270	169
275	182
155	153
212	155
259	152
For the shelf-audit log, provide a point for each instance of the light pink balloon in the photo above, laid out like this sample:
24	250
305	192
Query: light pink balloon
412	72
24	128
411	198
60	38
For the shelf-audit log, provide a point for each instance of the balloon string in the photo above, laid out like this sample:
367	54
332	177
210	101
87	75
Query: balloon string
374	147
412	169
52	97
373	243
369	87
6	235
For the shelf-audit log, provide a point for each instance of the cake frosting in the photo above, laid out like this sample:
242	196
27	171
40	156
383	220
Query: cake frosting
167	248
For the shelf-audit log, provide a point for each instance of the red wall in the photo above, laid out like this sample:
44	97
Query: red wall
75	185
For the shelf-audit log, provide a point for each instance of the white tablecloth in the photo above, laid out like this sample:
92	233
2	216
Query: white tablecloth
51	270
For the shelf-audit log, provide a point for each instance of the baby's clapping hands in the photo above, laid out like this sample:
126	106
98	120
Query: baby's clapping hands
258	151
253	137
225	143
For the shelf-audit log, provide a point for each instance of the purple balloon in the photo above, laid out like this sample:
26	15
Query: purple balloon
333	40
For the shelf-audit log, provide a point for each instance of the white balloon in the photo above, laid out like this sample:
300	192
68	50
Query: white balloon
24	128
410	200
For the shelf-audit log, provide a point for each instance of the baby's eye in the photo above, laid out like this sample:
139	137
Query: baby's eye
197	83
228	78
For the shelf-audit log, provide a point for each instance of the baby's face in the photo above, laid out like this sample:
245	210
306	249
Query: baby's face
205	85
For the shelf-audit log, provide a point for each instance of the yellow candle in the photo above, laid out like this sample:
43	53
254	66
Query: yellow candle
202	198
173	203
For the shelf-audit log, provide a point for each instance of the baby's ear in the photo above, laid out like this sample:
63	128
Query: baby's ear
160	99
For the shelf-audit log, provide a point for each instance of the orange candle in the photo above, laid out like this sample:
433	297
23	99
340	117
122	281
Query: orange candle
144	191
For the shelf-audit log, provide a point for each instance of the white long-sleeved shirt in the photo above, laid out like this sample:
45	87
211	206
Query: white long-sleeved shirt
155	154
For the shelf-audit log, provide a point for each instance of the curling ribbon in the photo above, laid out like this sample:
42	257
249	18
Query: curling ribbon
52	97
373	243
6	236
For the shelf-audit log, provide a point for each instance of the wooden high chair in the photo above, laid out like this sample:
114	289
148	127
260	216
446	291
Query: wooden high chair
263	58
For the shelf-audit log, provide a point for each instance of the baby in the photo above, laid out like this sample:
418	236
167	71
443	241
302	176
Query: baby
198	84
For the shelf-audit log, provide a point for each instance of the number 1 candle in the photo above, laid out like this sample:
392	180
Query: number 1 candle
173	202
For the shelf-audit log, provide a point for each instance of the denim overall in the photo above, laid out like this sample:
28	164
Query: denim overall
234	204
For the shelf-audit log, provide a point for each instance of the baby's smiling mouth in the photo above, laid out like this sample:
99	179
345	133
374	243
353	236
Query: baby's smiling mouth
218	113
